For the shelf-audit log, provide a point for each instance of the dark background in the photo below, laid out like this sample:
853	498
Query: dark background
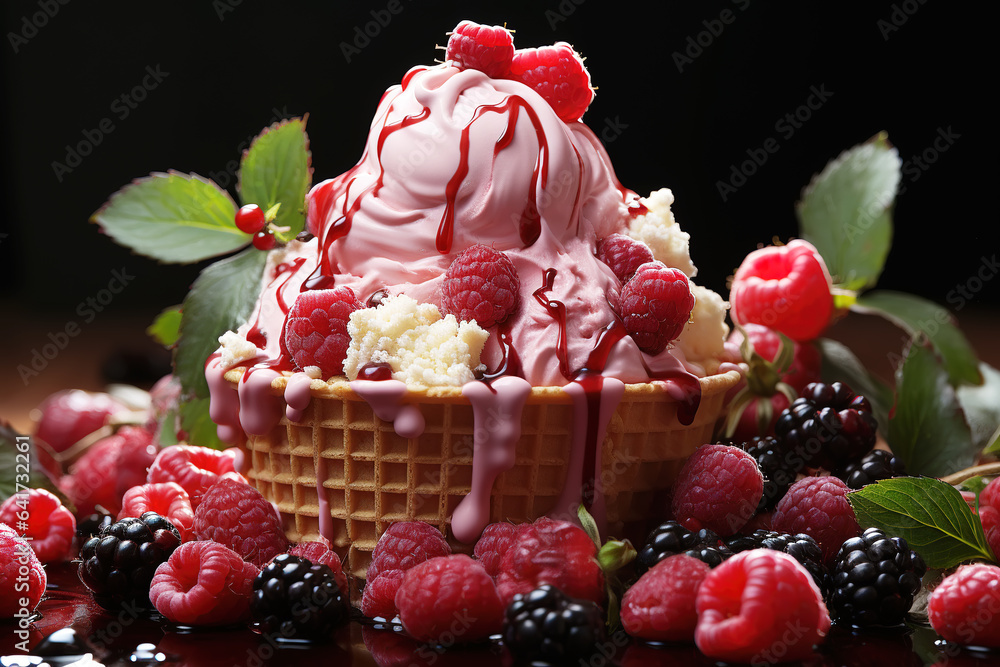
914	70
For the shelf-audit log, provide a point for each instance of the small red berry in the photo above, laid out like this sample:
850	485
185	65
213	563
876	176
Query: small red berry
818	507
482	285
316	329
661	605
655	305
718	488
558	74
963	607
488	49
786	288
264	240
623	254
250	219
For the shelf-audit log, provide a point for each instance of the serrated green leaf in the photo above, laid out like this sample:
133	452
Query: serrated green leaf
172	217
196	422
21	468
846	212
981	405
914	314
929	514
928	429
276	169
840	364
221	299
166	328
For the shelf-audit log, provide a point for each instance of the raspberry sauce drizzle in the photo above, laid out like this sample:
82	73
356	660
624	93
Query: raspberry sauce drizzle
510	362
530	226
557	309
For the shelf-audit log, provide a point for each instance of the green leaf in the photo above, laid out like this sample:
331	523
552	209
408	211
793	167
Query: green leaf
914	314
201	430
616	554
166	328
982	407
993	446
928	429
589	525
21	468
840	364
975	485
172	217
929	514
276	169
846	212
221	299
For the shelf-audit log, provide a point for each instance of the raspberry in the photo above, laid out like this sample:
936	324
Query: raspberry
818	507
194	468
315	331
546	627
552	552
740	619
990	518
655	305
873	580
623	254
827	426
661	605
70	415
297	599
779	469
405	544
40	517
238	516
876	464
378	600
718	488
482	285
168	499
990	496
963	607
203	583
801	547
558	74
21	574
438	591
784	287
108	469
671	538
495	541
488	49
119	564
320	553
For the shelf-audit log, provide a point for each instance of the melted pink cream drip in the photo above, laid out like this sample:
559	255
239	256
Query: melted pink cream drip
297	396
260	411
224	403
386	400
323	505
496	411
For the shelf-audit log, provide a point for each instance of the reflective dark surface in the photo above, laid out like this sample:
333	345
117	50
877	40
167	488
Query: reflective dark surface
132	638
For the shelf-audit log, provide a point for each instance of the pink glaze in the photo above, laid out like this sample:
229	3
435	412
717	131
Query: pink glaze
496	410
386	400
323	505
595	399
297	396
260	410
224	403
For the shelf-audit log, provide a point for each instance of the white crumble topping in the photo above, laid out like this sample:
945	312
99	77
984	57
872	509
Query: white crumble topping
314	372
421	346
705	335
658	230
236	348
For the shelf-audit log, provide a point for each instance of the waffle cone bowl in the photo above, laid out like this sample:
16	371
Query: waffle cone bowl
345	474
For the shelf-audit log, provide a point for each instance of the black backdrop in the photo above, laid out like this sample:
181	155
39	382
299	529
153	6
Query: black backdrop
687	92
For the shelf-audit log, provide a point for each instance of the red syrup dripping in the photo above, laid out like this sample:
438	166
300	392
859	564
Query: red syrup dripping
375	370
557	309
386	132
530	227
510	362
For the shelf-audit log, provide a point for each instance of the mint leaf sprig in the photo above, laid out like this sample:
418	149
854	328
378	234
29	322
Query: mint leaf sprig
185	218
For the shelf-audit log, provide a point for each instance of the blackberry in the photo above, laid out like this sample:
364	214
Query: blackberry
547	626
118	564
296	599
671	538
778	467
873	580
801	547
93	525
876	464
827	426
